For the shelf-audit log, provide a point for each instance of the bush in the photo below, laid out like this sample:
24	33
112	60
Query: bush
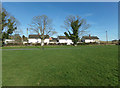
92	43
62	43
12	44
52	44
38	44
83	43
45	44
27	44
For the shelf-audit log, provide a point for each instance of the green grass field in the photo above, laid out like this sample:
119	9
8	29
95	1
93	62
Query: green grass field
75	66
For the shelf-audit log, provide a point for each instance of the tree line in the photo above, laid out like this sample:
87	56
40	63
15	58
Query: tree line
75	26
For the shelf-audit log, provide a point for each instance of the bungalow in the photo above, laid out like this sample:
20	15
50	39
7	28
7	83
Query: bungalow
36	39
115	42
64	40
9	41
90	39
53	41
16	38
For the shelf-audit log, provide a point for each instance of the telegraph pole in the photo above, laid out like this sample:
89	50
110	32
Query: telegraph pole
106	37
27	31
27	35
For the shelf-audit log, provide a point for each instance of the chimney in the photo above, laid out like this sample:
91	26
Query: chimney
50	38
89	36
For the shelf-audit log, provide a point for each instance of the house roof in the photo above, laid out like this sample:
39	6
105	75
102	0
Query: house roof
62	37
37	36
115	40
90	37
54	38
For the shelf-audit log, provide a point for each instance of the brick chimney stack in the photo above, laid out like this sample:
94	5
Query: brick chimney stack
50	38
89	36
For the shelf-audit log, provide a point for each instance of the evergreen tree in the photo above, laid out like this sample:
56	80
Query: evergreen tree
4	15
11	26
8	23
77	26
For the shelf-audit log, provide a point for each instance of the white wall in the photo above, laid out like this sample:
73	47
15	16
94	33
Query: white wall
34	40
9	41
38	41
88	40
62	41
24	42
46	41
68	41
92	40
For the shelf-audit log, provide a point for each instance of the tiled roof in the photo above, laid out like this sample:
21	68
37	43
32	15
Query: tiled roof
54	38
62	37
90	37
37	36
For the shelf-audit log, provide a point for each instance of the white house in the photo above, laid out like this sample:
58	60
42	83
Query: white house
64	39
25	42
36	39
9	41
90	39
53	41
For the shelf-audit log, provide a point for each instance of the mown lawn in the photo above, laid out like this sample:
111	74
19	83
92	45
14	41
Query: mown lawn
76	66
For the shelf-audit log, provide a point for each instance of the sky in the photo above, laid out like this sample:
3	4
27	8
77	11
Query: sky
102	16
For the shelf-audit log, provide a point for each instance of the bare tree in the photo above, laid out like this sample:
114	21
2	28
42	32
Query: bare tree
43	27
